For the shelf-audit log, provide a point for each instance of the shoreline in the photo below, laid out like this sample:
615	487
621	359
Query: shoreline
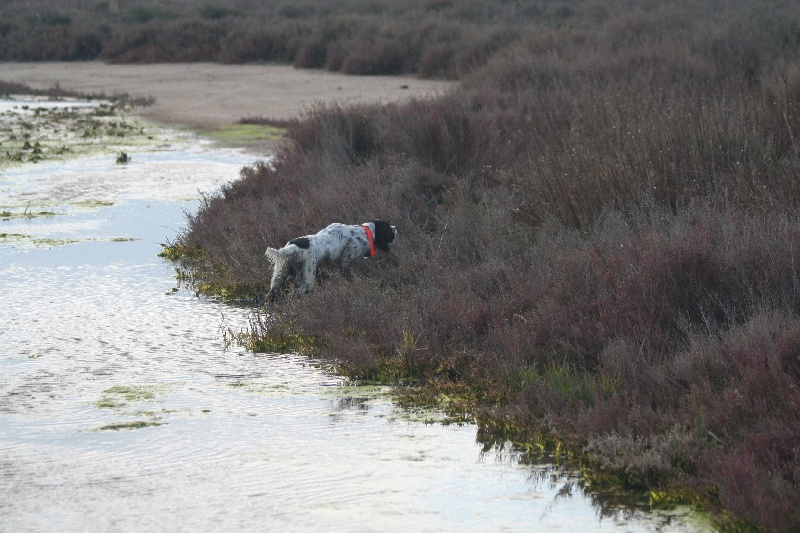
207	97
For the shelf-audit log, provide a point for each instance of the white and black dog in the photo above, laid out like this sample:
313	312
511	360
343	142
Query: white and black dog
339	243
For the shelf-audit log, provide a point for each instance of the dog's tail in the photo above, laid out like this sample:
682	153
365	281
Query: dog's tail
272	255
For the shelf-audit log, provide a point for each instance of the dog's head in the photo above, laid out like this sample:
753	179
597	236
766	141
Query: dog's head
384	234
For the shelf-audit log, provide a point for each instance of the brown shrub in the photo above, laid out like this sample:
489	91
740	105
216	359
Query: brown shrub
598	233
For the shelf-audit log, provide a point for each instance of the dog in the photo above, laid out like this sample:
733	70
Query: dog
340	243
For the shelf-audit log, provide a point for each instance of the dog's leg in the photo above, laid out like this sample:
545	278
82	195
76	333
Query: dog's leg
278	272
345	258
308	275
278	279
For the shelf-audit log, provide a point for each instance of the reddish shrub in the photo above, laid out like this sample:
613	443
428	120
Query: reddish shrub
597	233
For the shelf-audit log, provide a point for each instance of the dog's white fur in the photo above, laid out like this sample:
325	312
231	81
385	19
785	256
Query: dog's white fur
339	243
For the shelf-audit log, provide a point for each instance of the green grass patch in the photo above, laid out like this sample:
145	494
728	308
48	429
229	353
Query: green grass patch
244	133
178	252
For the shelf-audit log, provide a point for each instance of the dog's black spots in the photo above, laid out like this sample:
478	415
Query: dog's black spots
301	242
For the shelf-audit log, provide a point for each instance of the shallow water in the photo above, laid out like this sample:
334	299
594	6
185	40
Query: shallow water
121	409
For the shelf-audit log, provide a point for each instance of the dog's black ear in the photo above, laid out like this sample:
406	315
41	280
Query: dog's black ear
383	234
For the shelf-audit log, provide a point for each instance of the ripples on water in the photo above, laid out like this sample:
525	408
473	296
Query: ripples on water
121	410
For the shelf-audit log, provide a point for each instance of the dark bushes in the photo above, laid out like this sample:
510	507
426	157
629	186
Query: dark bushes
598	234
384	37
443	40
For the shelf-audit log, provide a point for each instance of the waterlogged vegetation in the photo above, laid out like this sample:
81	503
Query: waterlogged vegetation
38	128
597	256
5	237
26	213
24	241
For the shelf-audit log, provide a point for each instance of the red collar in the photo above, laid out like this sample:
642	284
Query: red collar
371	240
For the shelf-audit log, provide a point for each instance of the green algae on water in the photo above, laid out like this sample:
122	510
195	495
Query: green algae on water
92	203
52	243
123	395
133	393
27	213
136	424
7	237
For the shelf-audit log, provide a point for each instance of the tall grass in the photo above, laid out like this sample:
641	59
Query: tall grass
598	234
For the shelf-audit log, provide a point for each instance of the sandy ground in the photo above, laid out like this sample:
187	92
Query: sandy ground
207	96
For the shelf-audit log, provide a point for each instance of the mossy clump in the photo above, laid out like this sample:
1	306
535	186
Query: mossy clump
179	252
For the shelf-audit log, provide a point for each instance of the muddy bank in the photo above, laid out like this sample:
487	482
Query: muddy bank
209	96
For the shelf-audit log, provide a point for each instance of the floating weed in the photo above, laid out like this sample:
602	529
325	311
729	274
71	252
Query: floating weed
7	237
52	243
136	424
122	395
263	389
42	242
133	393
27	213
93	203
109	403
